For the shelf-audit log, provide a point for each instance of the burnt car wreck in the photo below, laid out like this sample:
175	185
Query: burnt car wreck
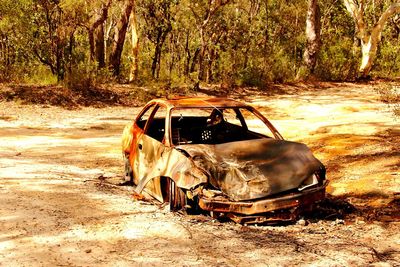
220	156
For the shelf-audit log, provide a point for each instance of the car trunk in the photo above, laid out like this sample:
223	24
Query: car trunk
252	169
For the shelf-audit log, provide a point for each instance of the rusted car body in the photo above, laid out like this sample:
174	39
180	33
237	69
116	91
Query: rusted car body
221	156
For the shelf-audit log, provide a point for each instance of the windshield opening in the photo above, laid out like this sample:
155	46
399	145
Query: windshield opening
216	125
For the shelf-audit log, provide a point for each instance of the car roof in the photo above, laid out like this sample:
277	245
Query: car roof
198	102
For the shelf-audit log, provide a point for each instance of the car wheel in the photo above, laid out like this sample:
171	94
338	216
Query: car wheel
179	201
128	171
176	197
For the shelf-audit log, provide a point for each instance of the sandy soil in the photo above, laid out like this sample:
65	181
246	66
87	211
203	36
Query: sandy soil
59	205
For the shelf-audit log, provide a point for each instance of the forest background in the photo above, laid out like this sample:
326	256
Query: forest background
176	43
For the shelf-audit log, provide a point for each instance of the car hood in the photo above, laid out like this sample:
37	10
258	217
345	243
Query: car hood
256	168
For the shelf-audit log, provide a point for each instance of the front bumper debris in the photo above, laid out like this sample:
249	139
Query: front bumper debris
285	207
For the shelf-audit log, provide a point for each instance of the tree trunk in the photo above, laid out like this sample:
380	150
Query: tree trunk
91	44
369	41
313	27
70	50
135	45
188	56
96	35
119	39
201	56
368	52
158	65
100	56
172	58
156	57
161	36
210	62
194	60
370	47
107	33
60	60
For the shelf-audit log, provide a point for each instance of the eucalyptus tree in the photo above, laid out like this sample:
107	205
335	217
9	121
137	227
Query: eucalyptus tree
207	14
96	32
119	36
133	73
53	35
313	35
158	19
369	24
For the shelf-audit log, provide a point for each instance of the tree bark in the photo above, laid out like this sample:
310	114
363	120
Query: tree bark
59	60
369	41
135	45
201	55
194	60
96	35
100	48
209	76
313	27
188	55
119	38
70	50
155	66
161	36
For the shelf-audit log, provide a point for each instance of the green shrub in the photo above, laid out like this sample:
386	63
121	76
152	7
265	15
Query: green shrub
39	75
337	61
387	63
252	76
85	76
282	67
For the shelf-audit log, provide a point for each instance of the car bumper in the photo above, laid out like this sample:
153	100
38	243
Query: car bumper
292	203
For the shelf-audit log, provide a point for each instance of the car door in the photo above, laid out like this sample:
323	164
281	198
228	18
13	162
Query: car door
136	133
149	148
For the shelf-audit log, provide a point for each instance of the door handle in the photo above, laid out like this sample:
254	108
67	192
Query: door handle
140	146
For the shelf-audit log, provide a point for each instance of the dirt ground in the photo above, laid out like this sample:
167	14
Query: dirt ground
60	205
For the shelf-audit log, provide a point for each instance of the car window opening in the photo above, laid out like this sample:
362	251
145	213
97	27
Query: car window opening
156	127
215	126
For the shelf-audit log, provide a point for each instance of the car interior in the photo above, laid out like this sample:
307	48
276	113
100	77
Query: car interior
212	129
156	129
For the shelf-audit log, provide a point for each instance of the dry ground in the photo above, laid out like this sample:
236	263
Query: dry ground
57	206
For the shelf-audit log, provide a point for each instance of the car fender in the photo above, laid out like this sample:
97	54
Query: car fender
177	166
127	137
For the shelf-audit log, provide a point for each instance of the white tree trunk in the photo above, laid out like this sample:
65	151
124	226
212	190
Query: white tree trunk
369	42
366	58
135	45
368	53
313	27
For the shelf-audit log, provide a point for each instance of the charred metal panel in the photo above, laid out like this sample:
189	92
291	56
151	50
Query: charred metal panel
257	168
156	160
127	136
